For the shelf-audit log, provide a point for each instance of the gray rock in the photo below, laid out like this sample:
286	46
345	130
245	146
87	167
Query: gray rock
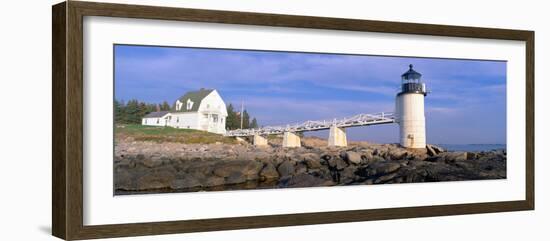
384	168
337	163
352	157
431	151
124	180
436	149
286	168
300	168
235	178
185	183
420	154
349	175
367	156
156	179
140	157
306	180
385	178
312	161
455	156
213	181
326	157
200	167
152	161
269	172
397	153
247	168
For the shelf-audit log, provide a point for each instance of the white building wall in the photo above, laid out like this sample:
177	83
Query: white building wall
212	113
184	120
409	110
157	121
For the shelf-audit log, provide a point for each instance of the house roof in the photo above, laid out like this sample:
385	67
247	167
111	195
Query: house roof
196	97
156	114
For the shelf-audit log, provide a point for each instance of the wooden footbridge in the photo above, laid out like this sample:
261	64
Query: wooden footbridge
337	135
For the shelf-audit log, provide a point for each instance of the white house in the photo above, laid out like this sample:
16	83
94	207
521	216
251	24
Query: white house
158	118
200	110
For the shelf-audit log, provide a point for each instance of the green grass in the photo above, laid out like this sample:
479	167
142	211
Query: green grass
169	134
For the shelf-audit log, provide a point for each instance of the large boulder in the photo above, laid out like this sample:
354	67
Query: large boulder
382	168
236	178
123	180
156	179
300	168
269	172
457	156
305	180
286	168
312	160
213	181
337	163
349	174
367	156
352	157
434	150
430	150
200	167
186	183
247	168
385	178
397	153
153	161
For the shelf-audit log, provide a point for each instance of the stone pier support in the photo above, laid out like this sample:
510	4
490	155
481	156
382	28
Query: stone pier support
337	137
291	140
259	140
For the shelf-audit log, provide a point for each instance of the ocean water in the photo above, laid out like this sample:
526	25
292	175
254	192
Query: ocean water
473	147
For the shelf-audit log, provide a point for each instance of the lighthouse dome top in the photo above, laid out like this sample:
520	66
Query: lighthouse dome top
411	74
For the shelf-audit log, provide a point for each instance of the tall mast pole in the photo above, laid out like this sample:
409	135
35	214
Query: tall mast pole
242	113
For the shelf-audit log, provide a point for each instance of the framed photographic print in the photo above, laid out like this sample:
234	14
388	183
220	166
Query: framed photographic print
171	120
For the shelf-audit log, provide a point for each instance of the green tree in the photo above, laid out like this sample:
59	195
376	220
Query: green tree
119	111
232	120
165	106
246	120
132	112
254	123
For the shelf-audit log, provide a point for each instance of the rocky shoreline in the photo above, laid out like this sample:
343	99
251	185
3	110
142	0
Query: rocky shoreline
148	167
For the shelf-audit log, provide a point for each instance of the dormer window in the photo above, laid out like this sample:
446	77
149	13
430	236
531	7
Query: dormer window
178	105
189	104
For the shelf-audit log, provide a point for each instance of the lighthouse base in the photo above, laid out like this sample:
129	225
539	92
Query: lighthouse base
412	134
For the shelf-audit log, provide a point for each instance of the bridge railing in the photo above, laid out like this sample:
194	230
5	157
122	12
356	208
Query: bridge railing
357	120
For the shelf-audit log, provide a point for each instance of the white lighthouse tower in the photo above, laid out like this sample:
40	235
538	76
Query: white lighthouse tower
409	110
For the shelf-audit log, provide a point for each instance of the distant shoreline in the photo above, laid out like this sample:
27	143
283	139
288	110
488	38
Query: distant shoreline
473	147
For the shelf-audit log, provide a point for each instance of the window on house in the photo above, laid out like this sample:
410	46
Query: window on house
189	104
178	119
215	118
158	121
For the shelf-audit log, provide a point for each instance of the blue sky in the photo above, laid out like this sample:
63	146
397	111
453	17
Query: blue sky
467	103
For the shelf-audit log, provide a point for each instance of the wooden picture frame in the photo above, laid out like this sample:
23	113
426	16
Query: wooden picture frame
67	124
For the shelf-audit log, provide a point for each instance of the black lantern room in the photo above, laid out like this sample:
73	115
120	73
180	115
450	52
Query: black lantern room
411	82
